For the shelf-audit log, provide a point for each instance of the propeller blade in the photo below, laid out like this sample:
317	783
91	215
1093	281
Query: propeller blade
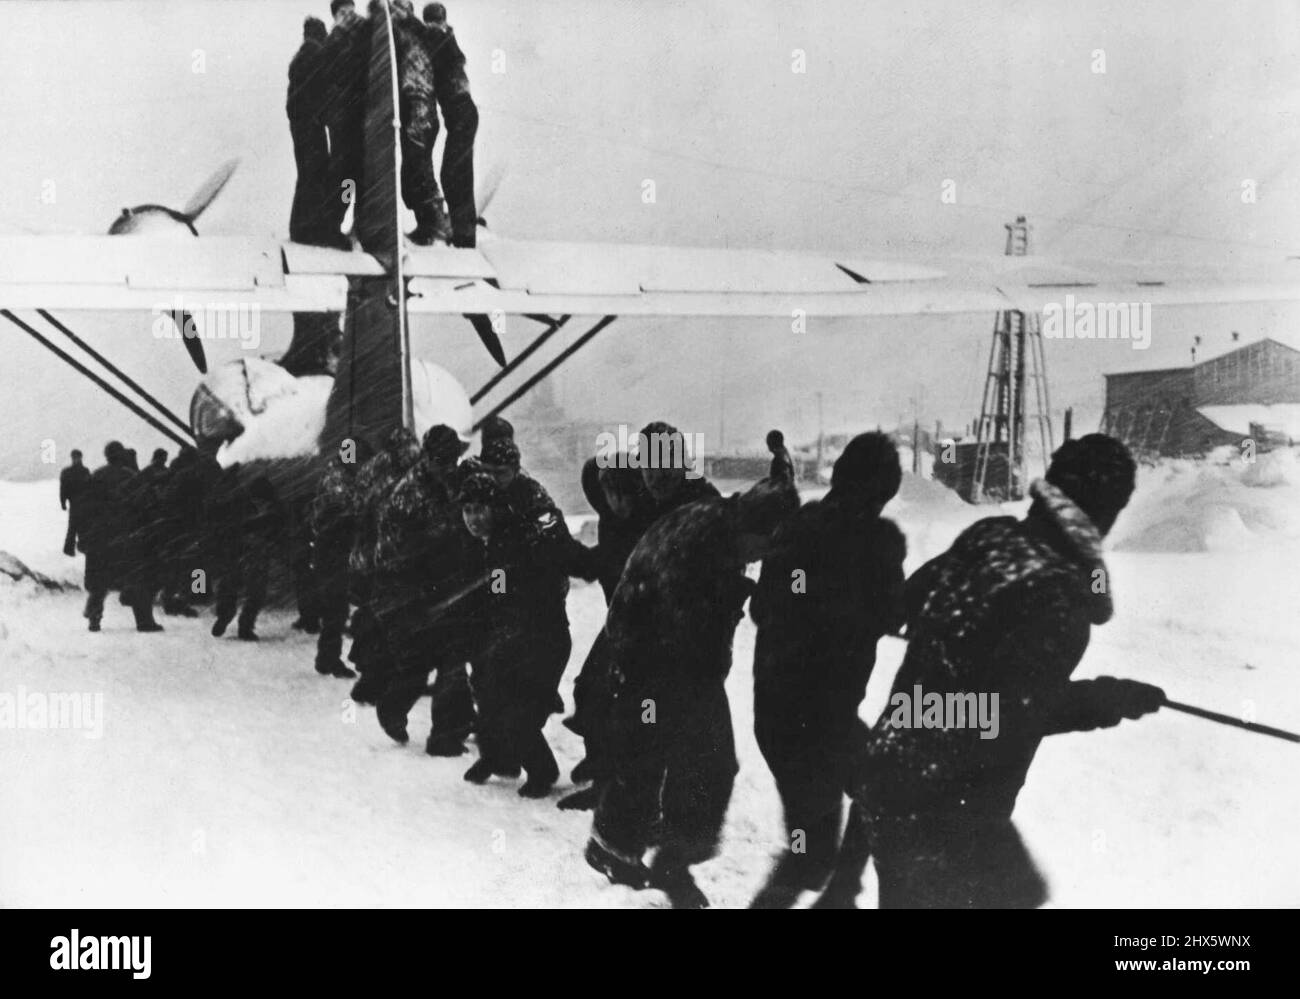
190	337
483	327
208	192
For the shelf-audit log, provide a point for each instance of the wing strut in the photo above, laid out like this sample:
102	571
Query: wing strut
552	327
113	369
564	355
148	417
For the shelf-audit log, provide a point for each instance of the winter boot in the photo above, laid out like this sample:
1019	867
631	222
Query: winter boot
144	617
634	874
479	772
442	745
368	689
674	879
220	625
585	800
540	764
507	770
536	787
248	624
334	667
431	227
177	608
392	722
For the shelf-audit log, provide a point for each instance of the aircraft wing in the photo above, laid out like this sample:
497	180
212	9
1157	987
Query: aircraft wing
595	279
140	273
555	278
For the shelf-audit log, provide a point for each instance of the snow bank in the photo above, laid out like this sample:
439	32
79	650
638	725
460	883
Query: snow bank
1222	504
32	528
932	515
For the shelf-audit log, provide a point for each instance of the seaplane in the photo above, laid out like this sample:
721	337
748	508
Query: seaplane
257	413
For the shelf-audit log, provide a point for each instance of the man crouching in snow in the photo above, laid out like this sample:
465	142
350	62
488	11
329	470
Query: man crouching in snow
1005	612
672	753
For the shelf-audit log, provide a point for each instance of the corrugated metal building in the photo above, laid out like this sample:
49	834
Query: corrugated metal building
1250	391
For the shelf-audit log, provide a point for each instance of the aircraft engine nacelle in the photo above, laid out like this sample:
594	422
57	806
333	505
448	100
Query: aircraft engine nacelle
259	416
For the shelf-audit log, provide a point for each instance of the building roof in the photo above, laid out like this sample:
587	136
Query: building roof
1219	348
1281	417
1144	372
1215	350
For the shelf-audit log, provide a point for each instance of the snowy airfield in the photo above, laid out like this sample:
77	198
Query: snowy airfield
233	775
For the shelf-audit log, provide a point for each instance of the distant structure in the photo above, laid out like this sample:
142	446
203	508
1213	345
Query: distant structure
751	465
554	445
992	468
1252	391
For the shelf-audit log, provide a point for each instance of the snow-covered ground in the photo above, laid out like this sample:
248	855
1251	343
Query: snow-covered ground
229	774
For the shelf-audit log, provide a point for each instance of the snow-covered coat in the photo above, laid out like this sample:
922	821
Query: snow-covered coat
418	107
670	627
332	518
375	480
424	555
1006	611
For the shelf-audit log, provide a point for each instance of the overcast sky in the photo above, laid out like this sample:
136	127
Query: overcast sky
1146	158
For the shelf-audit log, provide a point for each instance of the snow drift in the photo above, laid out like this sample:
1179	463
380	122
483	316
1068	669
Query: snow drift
1221	504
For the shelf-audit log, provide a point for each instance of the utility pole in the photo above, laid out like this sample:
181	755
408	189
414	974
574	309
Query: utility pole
821	433
918	400
722	420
